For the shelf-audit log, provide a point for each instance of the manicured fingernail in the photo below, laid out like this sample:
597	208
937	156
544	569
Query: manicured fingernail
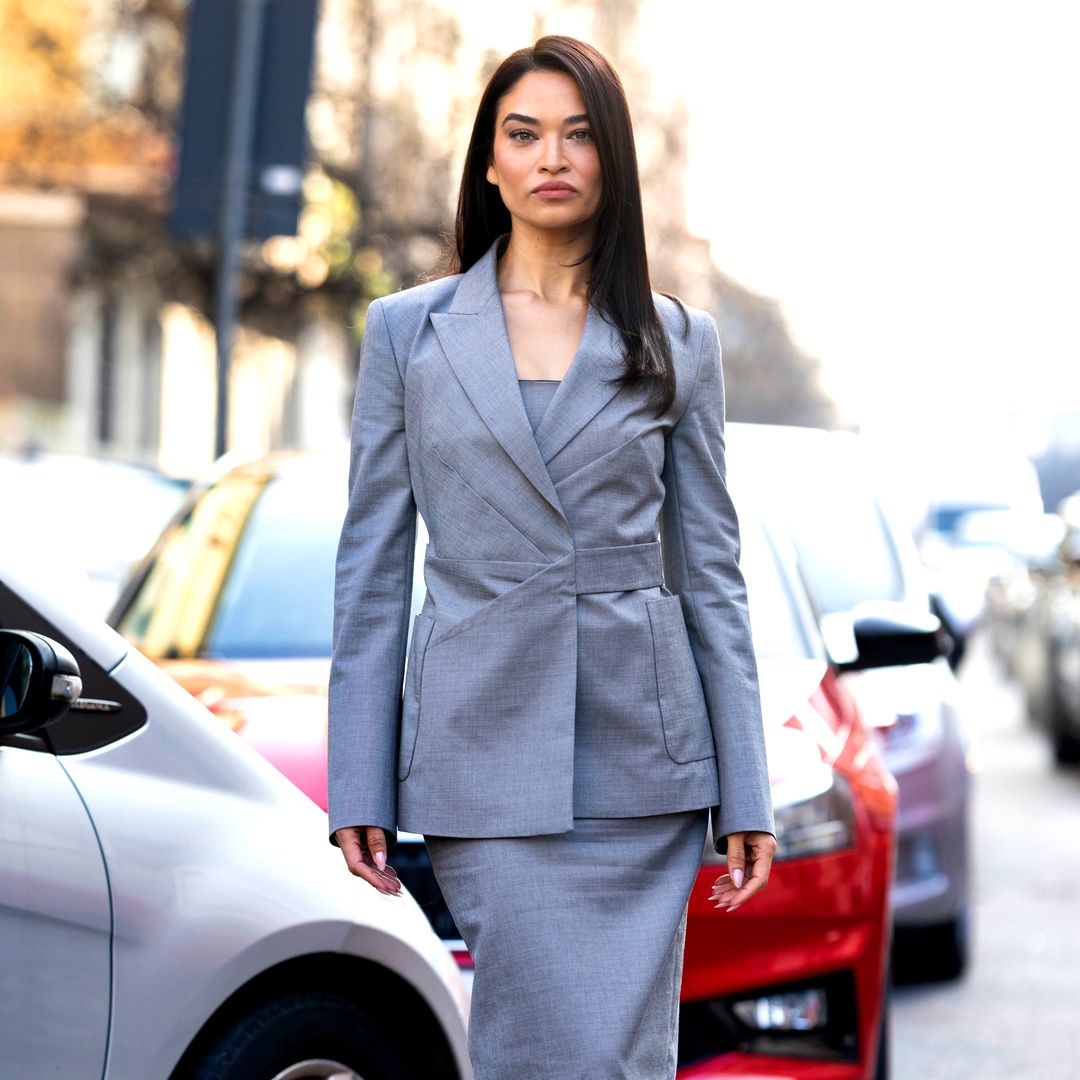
736	876
380	859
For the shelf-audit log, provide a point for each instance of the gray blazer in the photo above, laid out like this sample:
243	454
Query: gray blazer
566	662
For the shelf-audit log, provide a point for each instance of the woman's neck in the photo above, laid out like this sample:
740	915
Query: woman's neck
535	262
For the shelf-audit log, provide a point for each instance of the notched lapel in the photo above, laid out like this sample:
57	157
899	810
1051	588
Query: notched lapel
474	337
478	349
585	389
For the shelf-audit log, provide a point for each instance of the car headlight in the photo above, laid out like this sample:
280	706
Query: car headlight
813	806
821	823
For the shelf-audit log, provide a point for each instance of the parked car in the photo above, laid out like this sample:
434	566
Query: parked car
820	488
957	483
235	601
1034	549
800	989
1046	655
130	506
169	906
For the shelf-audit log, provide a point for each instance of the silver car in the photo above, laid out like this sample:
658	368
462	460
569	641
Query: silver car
169	905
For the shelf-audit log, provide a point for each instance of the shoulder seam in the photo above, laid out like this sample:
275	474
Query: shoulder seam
389	337
697	370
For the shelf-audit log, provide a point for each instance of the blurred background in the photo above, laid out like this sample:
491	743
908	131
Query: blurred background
878	202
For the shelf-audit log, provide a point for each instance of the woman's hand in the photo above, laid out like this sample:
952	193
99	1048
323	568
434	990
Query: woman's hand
730	889
364	848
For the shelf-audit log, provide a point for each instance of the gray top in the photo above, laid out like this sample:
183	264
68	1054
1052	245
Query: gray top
536	393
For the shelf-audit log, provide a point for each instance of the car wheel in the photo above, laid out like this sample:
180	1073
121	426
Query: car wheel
303	1036
1063	739
1066	747
951	944
882	1064
935	953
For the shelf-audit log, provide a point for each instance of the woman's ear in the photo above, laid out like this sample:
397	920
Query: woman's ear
492	175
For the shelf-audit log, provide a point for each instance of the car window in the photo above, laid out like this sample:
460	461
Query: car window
278	599
171	612
248	573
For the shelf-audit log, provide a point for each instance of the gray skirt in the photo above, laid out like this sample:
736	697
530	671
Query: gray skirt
578	944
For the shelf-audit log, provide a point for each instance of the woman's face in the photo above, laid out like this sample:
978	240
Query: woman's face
544	161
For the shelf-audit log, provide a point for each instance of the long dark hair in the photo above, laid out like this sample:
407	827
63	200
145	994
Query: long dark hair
619	285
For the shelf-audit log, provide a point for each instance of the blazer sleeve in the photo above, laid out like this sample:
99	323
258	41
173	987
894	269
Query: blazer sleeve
701	545
372	596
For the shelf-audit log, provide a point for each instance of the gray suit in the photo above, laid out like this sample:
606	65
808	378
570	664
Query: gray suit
566	663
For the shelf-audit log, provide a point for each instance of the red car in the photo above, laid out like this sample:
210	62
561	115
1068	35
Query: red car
799	988
236	602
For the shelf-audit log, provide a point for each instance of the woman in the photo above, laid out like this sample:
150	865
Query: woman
577	693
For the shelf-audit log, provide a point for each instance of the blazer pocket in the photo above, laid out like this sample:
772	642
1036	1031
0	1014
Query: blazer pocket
410	710
683	712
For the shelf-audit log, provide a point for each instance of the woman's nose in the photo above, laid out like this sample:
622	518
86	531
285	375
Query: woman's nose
553	157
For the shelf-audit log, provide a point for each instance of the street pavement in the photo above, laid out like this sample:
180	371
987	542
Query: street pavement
1016	1013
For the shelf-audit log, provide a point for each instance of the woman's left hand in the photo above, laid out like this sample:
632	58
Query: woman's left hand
757	848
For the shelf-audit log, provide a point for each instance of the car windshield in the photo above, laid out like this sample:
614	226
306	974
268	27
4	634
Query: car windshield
845	550
775	623
96	515
847	556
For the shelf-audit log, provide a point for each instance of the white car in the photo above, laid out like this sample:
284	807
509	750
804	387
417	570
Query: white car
169	904
130	503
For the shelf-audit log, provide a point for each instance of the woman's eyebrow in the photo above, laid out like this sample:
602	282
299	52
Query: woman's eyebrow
523	119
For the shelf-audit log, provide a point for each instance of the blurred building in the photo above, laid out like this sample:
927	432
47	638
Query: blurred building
72	350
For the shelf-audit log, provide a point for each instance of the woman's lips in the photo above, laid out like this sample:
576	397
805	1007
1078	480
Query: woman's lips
554	193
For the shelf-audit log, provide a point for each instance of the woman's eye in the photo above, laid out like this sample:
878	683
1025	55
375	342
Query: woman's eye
523	135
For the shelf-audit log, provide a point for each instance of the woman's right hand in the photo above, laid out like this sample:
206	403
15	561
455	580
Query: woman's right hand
364	848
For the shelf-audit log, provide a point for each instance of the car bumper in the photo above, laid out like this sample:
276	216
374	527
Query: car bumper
822	926
771	1068
931	879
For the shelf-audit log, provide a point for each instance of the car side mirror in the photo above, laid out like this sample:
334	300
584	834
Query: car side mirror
883	633
39	679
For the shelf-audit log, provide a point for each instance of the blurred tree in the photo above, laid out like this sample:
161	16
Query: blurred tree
91	91
768	379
